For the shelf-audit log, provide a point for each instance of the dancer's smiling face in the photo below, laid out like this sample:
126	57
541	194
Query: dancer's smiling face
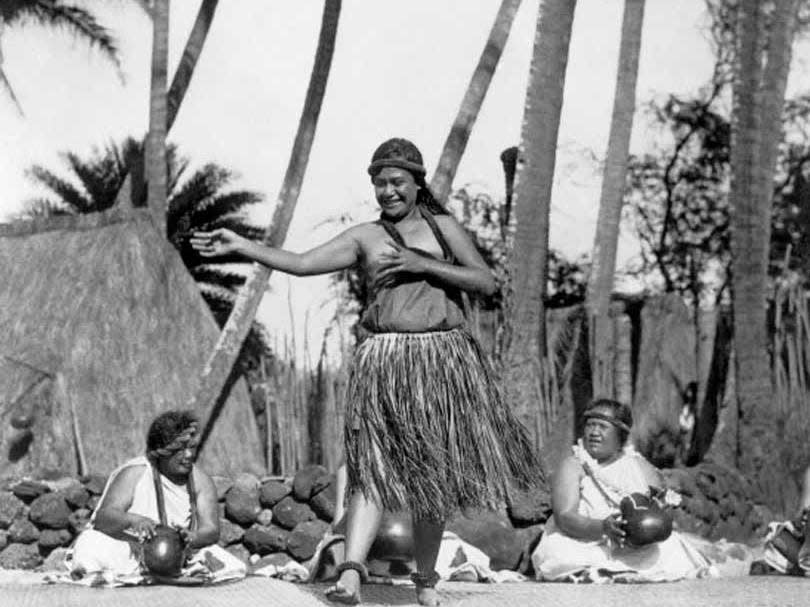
396	191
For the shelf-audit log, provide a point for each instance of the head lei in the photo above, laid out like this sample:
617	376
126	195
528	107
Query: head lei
398	153
609	411
162	443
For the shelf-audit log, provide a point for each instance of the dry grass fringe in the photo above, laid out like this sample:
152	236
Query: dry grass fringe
427	428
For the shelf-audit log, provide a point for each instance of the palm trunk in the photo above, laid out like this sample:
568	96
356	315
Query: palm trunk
156	142
473	99
755	135
180	82
527	344
220	363
600	285
191	54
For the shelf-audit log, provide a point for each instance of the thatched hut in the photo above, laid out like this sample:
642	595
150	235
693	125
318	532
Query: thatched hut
101	329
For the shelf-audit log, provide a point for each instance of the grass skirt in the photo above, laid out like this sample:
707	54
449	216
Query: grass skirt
427	428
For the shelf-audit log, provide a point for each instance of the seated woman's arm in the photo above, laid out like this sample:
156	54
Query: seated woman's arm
112	517
565	504
207	531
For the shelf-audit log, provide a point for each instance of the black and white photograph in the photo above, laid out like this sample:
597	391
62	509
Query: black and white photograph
396	303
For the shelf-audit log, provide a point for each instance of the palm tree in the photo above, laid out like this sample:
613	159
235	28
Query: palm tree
200	201
53	13
526	350
603	264
758	92
158	116
218	368
459	134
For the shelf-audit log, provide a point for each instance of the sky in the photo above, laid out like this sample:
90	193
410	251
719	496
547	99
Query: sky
399	69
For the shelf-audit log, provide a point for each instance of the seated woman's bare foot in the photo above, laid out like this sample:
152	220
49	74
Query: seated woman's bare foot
427	596
346	590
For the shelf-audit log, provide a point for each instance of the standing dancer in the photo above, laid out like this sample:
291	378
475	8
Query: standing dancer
426	427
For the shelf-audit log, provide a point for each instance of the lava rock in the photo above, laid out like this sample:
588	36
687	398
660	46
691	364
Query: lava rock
310	480
264	540
53	538
20	556
94	483
242	504
3	539
493	534
528	506
305	538
324	503
55	561
93	502
265	517
78	520
27	490
11	508
229	533
288	513
50	511
23	531
76	496
272	492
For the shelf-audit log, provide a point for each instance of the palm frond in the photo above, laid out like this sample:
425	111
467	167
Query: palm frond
75	20
65	190
98	176
217	276
41	208
6	85
202	185
223	205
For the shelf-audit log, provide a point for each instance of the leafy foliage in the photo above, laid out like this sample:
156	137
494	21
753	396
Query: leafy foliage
74	19
200	201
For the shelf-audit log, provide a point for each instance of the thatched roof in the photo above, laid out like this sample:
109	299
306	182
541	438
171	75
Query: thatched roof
103	306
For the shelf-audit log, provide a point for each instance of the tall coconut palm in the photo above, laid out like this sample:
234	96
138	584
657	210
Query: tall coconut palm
603	264
758	92
459	134
184	72
200	201
76	20
220	363
526	351
158	115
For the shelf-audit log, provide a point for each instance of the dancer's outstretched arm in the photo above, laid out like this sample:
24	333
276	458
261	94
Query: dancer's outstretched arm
339	253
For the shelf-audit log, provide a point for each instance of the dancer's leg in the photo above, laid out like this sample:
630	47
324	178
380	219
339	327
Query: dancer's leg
427	541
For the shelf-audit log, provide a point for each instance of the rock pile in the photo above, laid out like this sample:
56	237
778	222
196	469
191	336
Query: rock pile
262	521
717	503
38	517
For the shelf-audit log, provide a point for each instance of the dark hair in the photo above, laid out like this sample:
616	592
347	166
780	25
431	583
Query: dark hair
166	427
402	153
618	411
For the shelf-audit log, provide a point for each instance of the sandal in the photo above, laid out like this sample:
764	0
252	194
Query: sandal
339	593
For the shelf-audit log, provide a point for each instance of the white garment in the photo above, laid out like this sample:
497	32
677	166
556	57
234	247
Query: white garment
559	557
115	562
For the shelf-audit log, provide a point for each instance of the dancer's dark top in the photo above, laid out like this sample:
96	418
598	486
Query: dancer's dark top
414	304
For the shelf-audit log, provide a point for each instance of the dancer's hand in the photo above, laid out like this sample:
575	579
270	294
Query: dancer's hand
613	528
399	260
217	242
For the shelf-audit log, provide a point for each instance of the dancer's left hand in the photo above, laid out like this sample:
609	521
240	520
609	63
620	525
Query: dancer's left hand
399	260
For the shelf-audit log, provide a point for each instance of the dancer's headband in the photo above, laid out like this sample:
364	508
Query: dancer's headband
399	163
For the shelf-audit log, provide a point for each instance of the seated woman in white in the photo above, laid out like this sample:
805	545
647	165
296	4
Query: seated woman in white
109	550
585	539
